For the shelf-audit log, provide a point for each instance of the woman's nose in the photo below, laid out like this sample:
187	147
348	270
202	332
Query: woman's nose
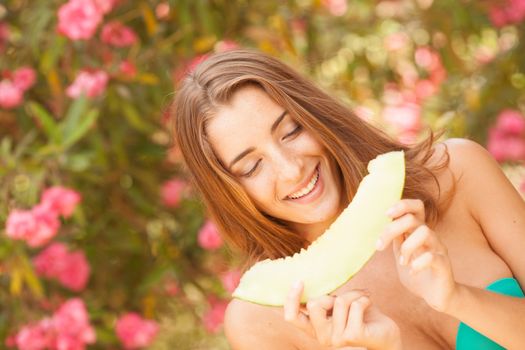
289	168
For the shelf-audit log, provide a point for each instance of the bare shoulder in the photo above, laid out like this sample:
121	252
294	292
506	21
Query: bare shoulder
469	163
472	165
465	154
252	326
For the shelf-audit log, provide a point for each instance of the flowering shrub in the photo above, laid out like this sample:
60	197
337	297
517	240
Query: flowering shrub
103	243
134	332
68	328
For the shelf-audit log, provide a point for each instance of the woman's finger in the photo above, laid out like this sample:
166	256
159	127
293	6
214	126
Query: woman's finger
422	262
340	313
417	241
292	309
398	227
355	325
404	206
319	310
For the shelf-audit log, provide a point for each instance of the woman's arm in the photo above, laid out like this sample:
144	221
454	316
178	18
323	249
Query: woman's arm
500	212
422	259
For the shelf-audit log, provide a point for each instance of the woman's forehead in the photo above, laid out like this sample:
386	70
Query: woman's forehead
243	122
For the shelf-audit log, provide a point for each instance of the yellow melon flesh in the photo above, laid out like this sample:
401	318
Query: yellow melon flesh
342	250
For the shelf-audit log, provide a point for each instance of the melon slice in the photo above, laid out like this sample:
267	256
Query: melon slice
341	251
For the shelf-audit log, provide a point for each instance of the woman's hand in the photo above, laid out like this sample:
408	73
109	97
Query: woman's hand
422	260
348	319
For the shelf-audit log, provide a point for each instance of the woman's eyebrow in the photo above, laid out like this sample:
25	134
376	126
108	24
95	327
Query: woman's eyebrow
251	149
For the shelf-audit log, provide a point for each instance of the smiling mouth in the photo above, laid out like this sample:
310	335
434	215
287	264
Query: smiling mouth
306	190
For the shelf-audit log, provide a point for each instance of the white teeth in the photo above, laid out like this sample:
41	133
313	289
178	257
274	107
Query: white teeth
307	189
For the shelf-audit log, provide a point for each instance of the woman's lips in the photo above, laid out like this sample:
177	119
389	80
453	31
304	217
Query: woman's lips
314	193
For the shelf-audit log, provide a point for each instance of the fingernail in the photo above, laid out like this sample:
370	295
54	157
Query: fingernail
297	285
391	211
401	260
379	244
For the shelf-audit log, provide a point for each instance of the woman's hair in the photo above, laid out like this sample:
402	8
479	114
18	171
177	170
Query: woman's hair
351	141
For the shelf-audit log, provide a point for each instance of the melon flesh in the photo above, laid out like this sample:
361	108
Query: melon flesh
341	251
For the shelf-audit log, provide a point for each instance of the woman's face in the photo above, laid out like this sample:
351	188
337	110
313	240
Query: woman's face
282	167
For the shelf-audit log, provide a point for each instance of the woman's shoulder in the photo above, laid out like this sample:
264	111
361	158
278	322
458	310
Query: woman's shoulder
464	159
252	326
469	162
463	152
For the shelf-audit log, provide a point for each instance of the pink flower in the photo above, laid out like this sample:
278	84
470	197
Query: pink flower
128	68
24	77
506	140
208	237
511	121
20	224
508	12
404	117
117	34
79	19
47	225
71	269
61	199
37	336
336	7
225	45
92	84
505	147
4	35
172	192
105	6
214	317
10	95
50	262
230	280
135	332
427	58
68	329
424	89
36	226
75	272
71	323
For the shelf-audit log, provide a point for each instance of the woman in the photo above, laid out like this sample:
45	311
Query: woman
276	160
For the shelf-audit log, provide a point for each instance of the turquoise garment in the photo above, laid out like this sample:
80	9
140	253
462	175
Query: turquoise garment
469	339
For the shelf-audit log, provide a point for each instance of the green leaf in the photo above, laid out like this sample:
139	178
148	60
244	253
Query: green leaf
49	125
135	119
24	144
15	286
80	129
31	279
74	116
51	56
6	158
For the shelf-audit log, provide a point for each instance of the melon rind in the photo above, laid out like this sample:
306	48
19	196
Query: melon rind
341	251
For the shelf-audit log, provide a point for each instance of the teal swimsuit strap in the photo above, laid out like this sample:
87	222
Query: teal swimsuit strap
467	338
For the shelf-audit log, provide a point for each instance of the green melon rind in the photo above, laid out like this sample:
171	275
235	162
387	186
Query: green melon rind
268	282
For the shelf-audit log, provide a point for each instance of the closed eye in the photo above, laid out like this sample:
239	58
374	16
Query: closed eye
252	170
293	132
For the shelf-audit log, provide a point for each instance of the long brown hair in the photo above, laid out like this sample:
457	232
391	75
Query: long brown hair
350	140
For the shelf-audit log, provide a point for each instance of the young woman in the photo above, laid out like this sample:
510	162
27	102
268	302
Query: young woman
276	160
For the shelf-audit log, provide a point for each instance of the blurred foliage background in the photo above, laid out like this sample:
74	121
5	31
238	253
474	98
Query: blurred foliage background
404	64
